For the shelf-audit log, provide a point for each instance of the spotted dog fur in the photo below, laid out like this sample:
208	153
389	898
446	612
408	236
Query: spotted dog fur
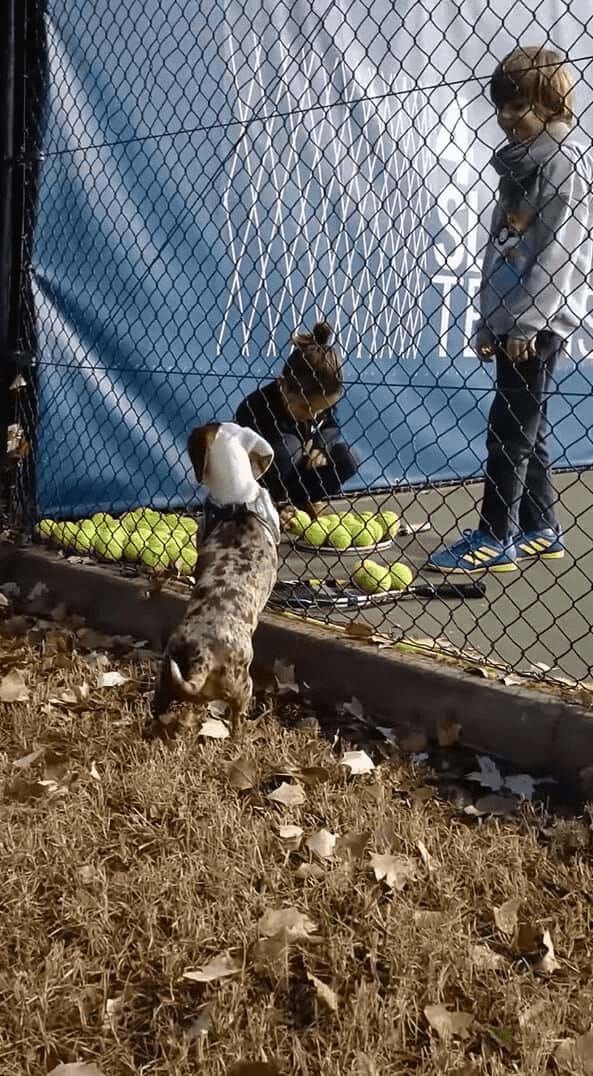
209	655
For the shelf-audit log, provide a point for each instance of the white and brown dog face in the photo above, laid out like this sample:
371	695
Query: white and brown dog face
229	459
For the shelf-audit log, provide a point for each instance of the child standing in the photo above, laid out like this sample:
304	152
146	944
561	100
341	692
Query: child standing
295	413
533	296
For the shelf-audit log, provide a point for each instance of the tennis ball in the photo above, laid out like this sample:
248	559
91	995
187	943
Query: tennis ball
298	523
187	559
315	534
372	577
401	576
371	533
339	537
46	528
389	521
188	524
110	541
79	536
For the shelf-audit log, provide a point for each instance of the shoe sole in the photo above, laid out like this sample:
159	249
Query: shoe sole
540	556
498	568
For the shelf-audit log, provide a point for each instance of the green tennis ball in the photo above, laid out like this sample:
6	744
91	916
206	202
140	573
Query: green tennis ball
370	534
389	521
339	537
401	576
78	536
372	577
315	534
110	541
189	525
187	560
299	522
46	528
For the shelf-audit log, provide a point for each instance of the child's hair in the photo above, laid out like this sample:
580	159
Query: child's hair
536	75
313	368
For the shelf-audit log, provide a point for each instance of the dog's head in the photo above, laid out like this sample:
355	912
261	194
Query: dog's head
228	460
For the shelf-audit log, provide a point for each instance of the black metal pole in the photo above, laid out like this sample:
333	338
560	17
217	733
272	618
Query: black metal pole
8	21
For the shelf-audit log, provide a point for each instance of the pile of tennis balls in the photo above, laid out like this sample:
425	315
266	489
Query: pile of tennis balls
158	540
376	578
344	530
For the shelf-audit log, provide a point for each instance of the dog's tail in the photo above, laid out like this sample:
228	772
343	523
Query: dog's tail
183	689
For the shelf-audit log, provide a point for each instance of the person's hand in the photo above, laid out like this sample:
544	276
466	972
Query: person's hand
316	458
484	344
519	350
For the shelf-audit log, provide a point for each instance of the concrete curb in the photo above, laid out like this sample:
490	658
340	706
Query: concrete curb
532	730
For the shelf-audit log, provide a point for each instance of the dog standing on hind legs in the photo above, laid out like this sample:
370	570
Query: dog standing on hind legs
208	656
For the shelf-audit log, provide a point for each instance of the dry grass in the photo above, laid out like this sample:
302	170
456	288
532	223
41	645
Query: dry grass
141	861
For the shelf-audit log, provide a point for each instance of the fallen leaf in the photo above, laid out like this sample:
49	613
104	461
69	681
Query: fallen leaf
114	1008
217	708
357	629
447	1023
422	794
199	1028
576	1055
396	871
529	1014
448	733
220	967
111	679
13	688
354	843
425	855
354	708
309	870
288	795
414	741
357	762
322	843
285	680
94	772
489	775
388	734
521	784
76	1068
314	775
286	923
255	1068
241	774
494	805
25	761
324	992
213	729
75	696
88	874
425	917
485	959
293	836
506	916
270	951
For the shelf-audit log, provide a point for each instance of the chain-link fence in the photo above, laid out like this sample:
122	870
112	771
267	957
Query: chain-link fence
188	185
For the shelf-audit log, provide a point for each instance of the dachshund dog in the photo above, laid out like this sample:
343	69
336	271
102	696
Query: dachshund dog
208	656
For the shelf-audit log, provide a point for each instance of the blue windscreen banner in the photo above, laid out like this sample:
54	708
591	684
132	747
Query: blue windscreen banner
217	175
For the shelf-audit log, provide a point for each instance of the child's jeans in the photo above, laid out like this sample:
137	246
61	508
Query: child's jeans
289	479
518	490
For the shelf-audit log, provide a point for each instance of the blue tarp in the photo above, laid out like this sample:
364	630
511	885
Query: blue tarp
215	179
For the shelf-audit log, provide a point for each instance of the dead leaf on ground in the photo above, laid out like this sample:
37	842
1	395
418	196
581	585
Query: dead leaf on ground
506	916
447	1022
220	967
288	795
255	1068
521	784
77	1068
114	1008
213	729
426	857
71	696
286	923
242	774
270	952
448	733
309	870
113	678
422	794
324	992
25	761
285	680
13	688
354	843
290	833
529	1014
576	1055
485	959
322	843
357	762
94	772
314	775
357	629
395	871
414	741
489	775
199	1028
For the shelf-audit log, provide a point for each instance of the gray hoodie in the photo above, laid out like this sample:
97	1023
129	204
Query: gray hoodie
540	252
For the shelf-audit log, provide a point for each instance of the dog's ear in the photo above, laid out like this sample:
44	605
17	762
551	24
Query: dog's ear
198	447
260	463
